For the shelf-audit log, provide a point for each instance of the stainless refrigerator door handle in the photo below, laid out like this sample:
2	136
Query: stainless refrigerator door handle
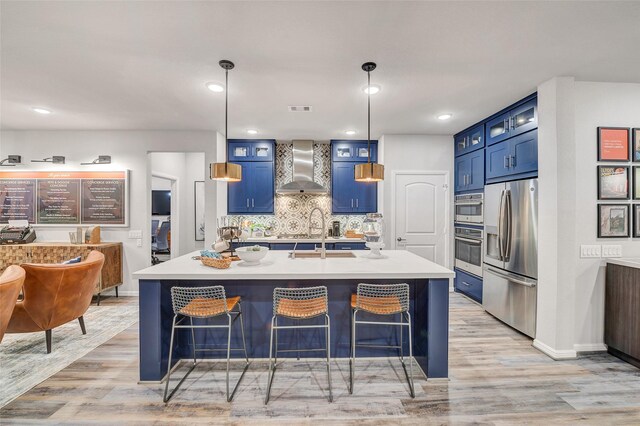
509	277
507	245
500	223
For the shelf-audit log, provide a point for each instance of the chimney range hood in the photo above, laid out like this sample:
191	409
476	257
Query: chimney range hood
302	182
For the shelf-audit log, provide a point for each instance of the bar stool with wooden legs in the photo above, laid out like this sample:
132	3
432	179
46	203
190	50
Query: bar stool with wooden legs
205	303
382	300
298	304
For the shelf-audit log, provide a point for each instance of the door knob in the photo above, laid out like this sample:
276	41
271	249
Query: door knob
399	239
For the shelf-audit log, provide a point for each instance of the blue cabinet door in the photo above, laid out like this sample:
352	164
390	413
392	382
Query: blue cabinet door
460	143
475	180
342	150
350	246
262	187
366	197
524	153
462	170
238	193
239	151
524	118
343	187
469	141
498	129
251	150
469	285
497	160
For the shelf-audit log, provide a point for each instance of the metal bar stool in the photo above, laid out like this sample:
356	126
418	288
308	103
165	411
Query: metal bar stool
383	300
298	304
205	303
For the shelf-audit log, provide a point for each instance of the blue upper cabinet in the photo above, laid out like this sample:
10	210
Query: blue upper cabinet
471	140
469	172
516	121
515	158
251	150
256	191
347	195
342	150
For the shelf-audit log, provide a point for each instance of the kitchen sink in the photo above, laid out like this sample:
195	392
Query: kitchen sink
313	254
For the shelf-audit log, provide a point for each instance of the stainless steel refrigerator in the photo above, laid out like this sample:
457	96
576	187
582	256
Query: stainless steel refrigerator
510	276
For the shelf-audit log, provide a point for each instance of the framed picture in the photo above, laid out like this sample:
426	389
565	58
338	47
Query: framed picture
198	189
636	182
613	144
613	220
636	220
636	144
613	182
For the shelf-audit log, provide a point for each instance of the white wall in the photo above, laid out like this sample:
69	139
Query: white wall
414	153
571	289
129	151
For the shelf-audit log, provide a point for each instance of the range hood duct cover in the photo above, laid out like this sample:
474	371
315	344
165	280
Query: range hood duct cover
302	182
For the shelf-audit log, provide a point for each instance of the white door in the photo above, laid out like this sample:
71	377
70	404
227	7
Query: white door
420	214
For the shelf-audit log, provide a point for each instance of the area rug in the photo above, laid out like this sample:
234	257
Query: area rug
24	362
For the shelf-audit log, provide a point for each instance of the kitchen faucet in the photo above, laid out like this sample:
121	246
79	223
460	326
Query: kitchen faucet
323	251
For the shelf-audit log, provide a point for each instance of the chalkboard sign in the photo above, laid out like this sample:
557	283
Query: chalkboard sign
64	197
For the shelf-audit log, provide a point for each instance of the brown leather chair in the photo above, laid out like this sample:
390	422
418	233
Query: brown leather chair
55	295
10	285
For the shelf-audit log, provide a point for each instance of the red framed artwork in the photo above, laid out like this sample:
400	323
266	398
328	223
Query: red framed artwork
613	144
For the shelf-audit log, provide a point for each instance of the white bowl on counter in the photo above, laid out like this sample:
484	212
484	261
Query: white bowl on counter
251	255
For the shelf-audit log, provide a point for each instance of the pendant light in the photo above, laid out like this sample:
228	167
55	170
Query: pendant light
369	172
227	172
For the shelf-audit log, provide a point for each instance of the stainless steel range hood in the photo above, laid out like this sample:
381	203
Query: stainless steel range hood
302	182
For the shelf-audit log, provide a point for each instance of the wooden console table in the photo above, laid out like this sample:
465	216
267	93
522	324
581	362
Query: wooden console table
16	254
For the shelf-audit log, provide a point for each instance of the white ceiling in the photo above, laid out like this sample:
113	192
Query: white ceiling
143	65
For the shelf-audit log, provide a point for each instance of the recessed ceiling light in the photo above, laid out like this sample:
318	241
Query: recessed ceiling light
373	89
252	132
445	116
41	110
215	87
350	132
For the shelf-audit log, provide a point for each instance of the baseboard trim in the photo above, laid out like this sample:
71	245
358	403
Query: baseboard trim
553	353
590	347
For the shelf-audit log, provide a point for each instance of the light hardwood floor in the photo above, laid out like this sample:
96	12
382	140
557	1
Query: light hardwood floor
496	377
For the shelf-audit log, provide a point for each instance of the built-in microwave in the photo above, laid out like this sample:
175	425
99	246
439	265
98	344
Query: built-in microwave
468	249
469	208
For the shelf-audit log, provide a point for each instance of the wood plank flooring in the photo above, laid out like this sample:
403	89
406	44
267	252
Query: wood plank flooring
496	377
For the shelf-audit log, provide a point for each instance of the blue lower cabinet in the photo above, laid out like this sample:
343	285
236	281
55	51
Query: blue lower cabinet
469	285
300	246
349	246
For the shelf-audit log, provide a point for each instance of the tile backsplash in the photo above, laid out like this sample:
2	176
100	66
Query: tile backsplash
292	210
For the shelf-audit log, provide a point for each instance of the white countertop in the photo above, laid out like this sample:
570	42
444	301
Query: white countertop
631	262
397	264
302	240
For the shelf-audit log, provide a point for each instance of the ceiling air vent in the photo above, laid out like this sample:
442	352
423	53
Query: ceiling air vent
300	108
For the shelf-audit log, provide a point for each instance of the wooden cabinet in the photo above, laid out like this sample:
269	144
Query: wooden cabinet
468	285
469	172
512	159
110	277
622	312
513	122
469	141
347	195
256	191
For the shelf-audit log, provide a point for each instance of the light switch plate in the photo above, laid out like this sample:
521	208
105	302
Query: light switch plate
135	234
139	242
611	250
593	251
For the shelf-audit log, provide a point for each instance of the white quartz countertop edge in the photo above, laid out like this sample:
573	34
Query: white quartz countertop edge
397	264
631	262
301	240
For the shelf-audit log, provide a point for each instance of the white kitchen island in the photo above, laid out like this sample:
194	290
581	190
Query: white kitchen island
429	284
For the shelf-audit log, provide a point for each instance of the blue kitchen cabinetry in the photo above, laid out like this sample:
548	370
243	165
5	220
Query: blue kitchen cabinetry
515	158
468	284
469	172
251	150
256	191
349	246
347	195
470	140
513	122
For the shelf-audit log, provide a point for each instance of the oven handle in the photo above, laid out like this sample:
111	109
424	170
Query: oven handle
468	203
469	240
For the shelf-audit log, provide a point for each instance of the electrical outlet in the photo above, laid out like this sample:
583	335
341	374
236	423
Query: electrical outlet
135	234
139	242
611	250
590	251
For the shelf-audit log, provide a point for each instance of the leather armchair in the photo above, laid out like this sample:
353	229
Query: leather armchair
11	282
55	295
